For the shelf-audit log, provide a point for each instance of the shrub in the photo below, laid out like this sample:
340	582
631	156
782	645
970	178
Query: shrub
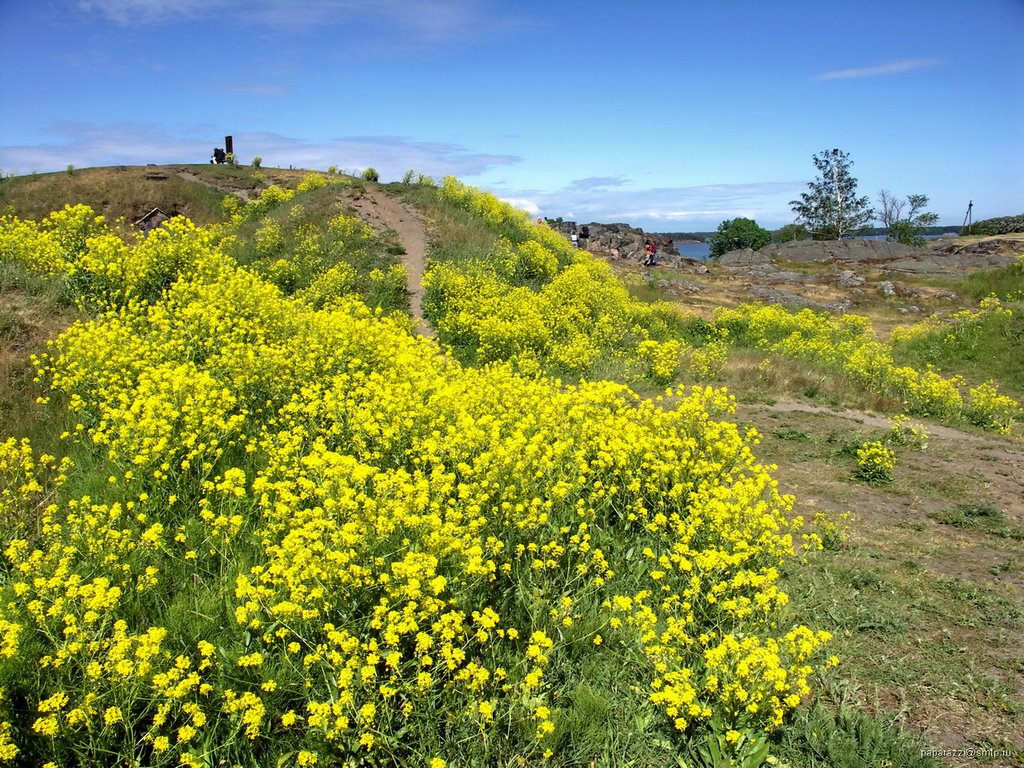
311	181
738	233
1002	225
370	174
257	161
790	232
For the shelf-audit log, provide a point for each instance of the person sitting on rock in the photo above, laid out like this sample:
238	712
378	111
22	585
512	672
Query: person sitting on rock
649	254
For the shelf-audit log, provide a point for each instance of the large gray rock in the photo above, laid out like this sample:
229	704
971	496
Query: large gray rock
837	250
744	257
937	263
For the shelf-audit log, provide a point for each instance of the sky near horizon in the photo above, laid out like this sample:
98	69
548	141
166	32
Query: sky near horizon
670	115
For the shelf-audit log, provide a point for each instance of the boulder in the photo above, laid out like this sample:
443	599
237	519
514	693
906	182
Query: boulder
849	279
744	257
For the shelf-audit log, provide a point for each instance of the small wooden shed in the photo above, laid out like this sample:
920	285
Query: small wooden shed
151	220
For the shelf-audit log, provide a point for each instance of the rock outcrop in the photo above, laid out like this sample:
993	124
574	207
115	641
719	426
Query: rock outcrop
619	241
894	258
822	250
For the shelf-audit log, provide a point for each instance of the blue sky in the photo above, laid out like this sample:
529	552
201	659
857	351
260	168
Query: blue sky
669	115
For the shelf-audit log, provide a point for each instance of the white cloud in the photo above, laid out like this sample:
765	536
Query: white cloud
598	182
84	145
524	204
892	67
696	208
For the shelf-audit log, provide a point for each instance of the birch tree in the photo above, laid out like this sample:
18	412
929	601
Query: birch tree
831	209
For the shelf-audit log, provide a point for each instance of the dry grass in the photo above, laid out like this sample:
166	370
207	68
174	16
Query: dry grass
129	192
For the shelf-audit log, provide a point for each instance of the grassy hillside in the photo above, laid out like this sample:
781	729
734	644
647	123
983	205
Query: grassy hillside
129	192
257	521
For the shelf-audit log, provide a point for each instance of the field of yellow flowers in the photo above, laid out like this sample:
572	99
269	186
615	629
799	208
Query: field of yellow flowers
283	530
540	304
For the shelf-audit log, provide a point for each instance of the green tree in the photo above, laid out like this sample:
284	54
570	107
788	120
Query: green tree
908	230
257	161
830	208
738	233
370	174
790	232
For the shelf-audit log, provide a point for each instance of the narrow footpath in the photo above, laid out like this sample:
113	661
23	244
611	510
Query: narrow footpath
384	212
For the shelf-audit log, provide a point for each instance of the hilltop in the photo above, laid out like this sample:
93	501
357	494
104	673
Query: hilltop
129	192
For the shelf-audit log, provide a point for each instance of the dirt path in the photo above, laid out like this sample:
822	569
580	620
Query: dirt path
384	212
245	194
869	419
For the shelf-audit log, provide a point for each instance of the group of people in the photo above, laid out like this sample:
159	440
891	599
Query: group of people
579	239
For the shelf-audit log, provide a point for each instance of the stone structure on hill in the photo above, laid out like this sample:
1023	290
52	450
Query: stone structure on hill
618	241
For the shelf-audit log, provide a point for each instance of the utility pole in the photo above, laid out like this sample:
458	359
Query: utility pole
967	219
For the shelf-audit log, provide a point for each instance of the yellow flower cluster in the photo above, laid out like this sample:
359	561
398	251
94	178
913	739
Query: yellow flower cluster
537	302
320	536
904	432
875	462
102	270
22	478
848	344
962	328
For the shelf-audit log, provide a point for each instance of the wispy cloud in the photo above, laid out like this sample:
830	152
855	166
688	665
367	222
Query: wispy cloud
890	68
599	182
427	20
126	12
606	199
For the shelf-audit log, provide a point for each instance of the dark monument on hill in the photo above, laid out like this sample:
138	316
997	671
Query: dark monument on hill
220	156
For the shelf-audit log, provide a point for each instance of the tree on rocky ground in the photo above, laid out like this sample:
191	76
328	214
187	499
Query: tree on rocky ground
789	233
738	233
830	208
909	229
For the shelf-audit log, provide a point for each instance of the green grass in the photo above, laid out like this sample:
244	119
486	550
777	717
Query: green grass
988	349
33	309
834	732
308	246
1004	282
126	192
984	517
